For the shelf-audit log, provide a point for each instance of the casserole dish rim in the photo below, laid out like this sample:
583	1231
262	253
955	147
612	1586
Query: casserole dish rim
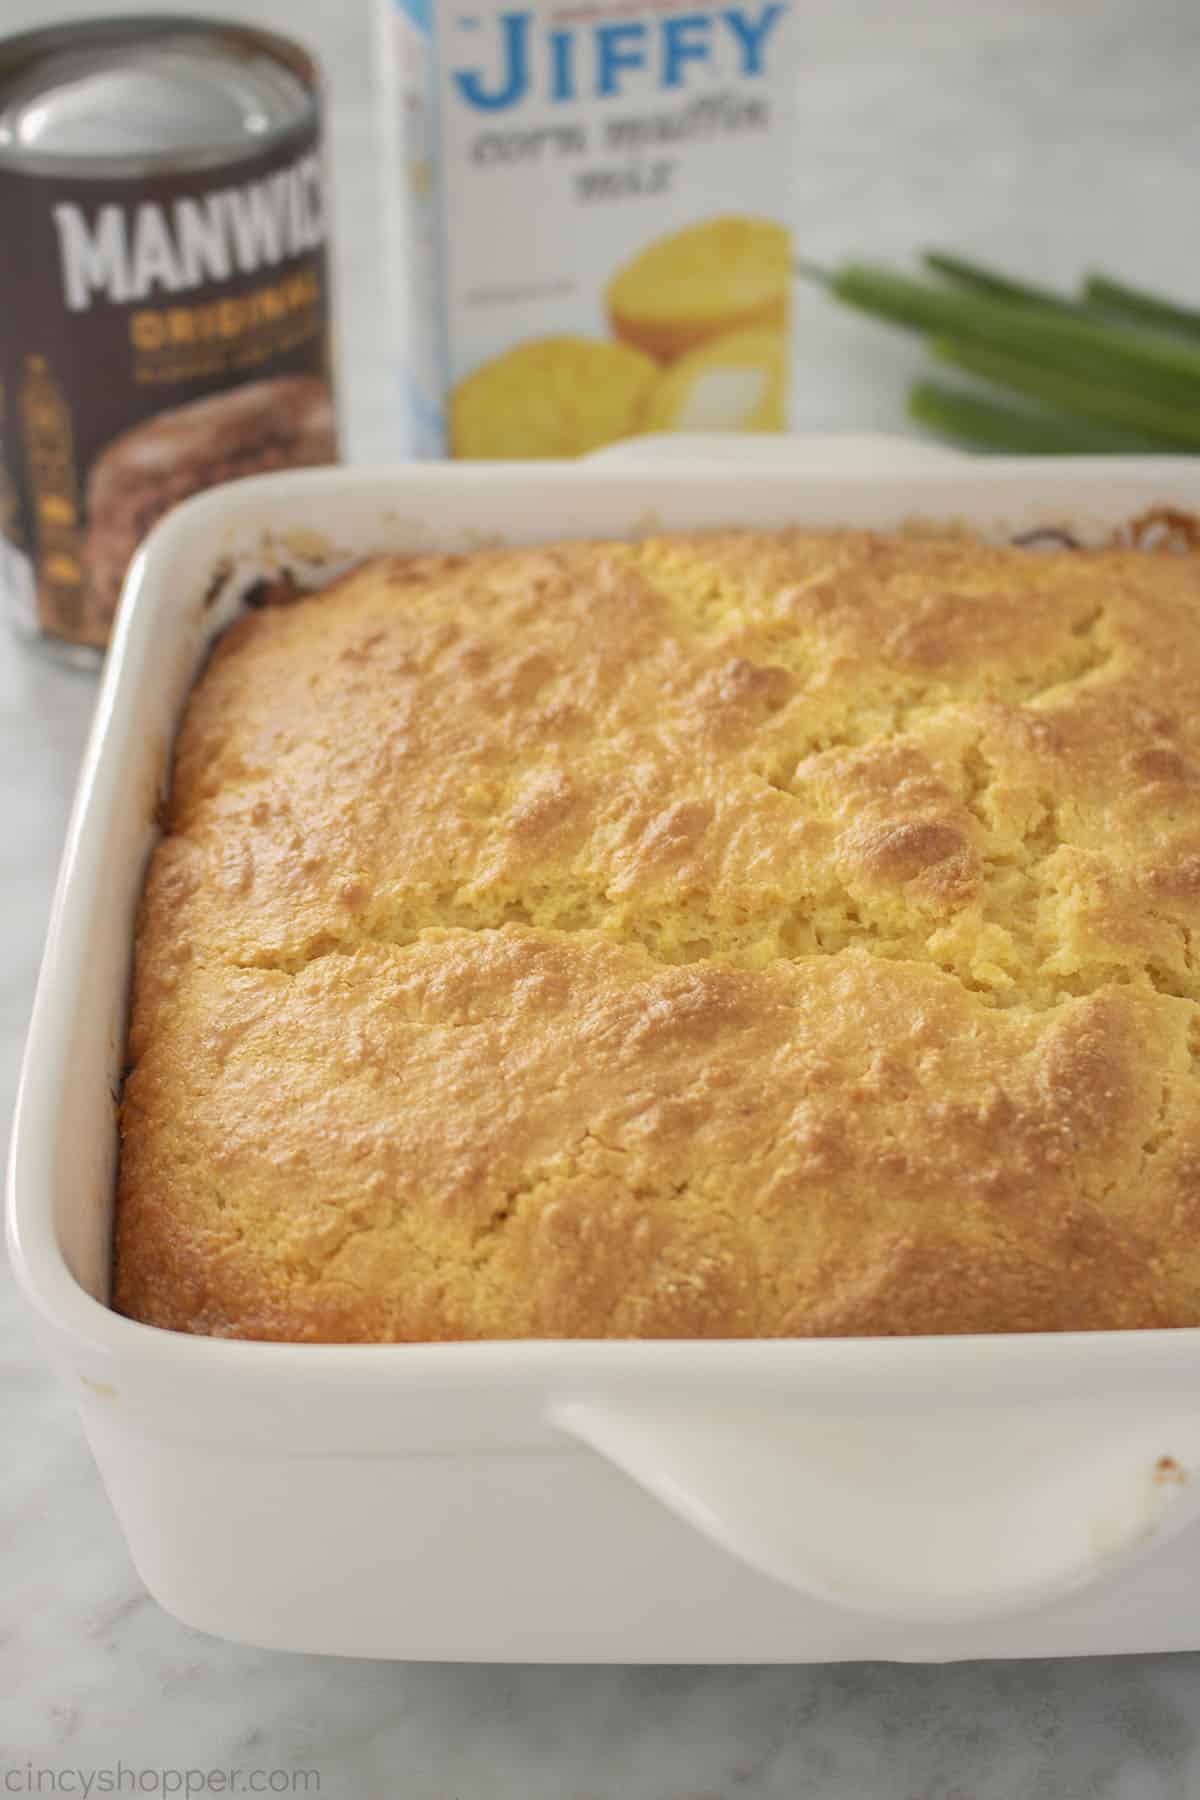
149	1369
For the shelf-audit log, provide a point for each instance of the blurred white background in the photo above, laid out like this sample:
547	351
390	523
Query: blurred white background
1049	135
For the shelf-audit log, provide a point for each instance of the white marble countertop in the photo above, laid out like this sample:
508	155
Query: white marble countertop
1049	135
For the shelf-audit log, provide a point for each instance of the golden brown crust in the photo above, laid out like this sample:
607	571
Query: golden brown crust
730	935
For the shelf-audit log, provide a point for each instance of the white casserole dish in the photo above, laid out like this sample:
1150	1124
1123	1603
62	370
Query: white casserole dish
681	1502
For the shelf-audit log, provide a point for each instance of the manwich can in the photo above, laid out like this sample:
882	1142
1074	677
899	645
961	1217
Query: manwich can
165	320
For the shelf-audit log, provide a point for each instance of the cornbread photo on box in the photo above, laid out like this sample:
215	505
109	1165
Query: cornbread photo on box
738	382
555	397
733	934
686	290
569	182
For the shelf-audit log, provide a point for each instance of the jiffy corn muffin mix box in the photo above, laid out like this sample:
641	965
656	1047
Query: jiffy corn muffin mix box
589	219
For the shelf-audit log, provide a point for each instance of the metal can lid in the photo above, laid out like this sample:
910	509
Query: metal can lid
125	95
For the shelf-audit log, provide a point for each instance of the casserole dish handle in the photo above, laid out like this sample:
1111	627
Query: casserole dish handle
937	1516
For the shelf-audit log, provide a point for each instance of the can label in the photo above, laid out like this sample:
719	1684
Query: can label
161	335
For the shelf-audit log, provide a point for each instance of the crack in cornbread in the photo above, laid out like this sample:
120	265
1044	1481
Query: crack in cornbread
732	934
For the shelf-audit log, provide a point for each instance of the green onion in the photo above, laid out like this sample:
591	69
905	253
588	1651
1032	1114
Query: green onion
1111	355
1063	392
995	285
1140	305
990	425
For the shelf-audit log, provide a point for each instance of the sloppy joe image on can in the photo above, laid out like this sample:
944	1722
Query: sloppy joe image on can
166	317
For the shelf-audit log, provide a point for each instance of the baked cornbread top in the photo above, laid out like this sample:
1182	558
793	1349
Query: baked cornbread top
729	934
